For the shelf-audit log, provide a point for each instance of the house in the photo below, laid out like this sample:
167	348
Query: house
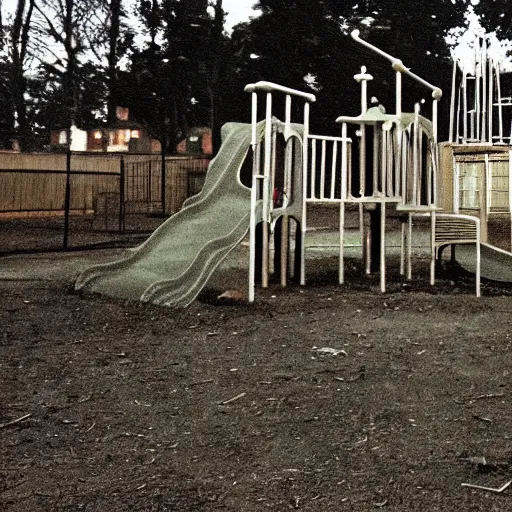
197	143
123	136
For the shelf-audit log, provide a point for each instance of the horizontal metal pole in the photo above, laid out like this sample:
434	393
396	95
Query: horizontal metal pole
398	65
271	87
329	138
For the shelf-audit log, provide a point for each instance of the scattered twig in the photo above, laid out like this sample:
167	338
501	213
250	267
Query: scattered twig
489	395
490	489
91	427
17	484
207	381
241	395
17	420
481	418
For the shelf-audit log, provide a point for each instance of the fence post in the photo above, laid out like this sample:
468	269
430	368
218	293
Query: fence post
122	210
163	184
67	199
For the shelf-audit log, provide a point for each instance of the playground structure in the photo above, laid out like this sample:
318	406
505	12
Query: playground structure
477	178
479	112
382	164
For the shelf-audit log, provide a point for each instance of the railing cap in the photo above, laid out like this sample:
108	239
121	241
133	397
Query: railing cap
271	87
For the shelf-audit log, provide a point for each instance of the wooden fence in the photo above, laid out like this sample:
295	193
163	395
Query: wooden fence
35	184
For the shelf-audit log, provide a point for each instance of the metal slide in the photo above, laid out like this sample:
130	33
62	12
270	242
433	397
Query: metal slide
175	263
496	264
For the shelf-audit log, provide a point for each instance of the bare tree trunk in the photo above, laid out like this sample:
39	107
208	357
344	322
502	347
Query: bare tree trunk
18	51
69	78
114	29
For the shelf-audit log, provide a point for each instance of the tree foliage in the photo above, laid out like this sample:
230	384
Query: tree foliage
62	60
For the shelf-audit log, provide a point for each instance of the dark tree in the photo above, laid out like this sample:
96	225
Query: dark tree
172	82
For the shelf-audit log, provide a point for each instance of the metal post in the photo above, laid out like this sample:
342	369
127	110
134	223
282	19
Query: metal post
121	196
510	193
163	180
305	157
267	196
452	101
433	248
67	200
254	197
383	247
341	270
409	248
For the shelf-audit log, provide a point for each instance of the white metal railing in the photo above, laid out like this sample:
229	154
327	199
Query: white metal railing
328	183
264	169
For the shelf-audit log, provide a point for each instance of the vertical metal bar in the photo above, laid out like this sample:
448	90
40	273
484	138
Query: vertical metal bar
344	162
254	196
389	165
457	139
121	196
404	150
478	259
398	94
267	196
500	108
375	160
304	194
254	118
488	185
383	160
465	108
252	238
409	248
285	228
478	77
456	186
288	111
349	167
67	197
452	100
341	270
483	132
322	170
163	181
433	252
510	193
415	148
491	98
362	161
313	169
383	247
333	167
402	248
273	172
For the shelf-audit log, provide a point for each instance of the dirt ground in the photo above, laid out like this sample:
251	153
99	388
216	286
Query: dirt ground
322	398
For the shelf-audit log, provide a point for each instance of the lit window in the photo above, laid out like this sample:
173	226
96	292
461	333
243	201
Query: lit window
97	134
193	138
63	137
135	134
127	135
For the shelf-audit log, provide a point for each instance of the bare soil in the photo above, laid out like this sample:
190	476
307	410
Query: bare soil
119	406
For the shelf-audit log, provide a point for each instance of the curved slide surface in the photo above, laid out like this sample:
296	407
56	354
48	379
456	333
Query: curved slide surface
174	264
496	264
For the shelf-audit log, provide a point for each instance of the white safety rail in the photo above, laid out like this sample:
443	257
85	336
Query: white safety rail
328	174
479	113
404	167
264	171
